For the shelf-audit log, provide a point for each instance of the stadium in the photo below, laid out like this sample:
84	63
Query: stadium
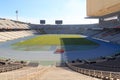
77	51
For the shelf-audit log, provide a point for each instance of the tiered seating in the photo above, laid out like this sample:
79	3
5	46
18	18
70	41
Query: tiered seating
110	35
4	36
10	24
109	24
10	29
107	64
8	65
105	67
110	32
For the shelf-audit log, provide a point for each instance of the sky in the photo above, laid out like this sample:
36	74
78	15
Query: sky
70	11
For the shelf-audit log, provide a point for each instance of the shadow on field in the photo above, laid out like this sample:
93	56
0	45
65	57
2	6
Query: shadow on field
74	48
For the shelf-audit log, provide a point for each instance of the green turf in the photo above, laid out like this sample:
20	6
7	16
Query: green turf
77	41
58	40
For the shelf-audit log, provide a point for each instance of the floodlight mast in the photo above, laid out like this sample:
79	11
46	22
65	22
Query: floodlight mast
16	15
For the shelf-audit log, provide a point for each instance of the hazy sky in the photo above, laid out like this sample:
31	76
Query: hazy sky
70	11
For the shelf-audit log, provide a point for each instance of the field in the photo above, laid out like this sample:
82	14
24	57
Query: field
52	42
56	40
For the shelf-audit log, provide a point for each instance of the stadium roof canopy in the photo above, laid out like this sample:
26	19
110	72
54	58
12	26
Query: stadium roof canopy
102	8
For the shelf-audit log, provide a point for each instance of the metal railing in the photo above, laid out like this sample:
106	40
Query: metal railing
96	73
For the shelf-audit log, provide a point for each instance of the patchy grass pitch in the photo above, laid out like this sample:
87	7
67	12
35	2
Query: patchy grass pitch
56	40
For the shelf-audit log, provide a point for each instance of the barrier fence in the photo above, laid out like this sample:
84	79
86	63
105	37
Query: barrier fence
105	75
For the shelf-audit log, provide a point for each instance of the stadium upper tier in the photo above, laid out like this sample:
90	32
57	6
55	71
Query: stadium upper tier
10	24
